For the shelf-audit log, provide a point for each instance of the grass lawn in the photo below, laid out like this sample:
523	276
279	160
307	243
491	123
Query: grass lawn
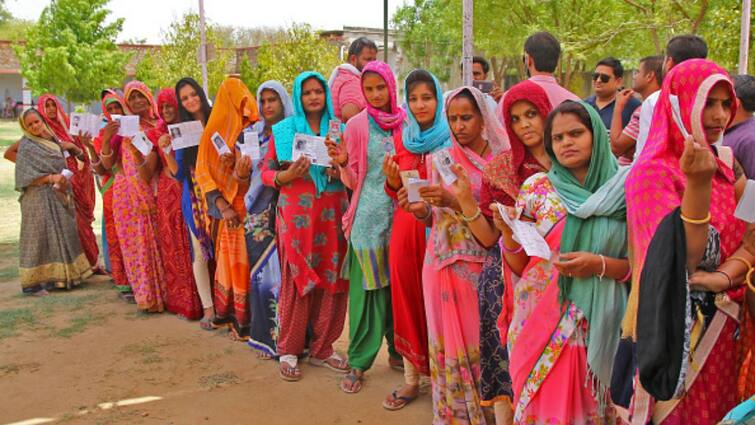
9	132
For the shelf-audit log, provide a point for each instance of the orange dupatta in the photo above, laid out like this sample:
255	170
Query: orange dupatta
235	108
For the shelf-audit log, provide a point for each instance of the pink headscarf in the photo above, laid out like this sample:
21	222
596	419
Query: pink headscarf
451	239
493	132
655	185
386	120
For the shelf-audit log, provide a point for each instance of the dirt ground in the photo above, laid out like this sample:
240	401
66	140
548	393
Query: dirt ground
66	358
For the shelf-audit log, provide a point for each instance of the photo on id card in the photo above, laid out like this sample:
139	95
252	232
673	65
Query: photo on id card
443	162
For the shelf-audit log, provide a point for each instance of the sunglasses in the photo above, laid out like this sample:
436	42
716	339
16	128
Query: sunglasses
604	78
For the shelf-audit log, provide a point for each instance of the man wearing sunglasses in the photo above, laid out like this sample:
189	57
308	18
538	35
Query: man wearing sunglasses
607	81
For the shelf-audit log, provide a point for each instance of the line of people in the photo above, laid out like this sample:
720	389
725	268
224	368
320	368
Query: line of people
641	312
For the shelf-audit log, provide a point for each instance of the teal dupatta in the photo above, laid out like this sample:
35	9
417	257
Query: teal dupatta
284	131
596	223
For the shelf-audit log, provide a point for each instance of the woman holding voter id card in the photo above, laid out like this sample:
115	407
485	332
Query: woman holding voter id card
312	248
223	176
684	185
274	105
50	254
134	204
454	258
425	132
112	103
525	109
82	182
193	106
173	235
370	137
564	328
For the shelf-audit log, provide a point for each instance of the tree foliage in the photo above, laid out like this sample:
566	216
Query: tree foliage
588	31
70	51
285	57
178	56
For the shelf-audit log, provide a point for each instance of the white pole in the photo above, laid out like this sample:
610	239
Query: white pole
203	48
466	49
744	37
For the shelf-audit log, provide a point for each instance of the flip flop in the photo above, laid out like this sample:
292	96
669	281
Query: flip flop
354	379
325	363
290	362
403	402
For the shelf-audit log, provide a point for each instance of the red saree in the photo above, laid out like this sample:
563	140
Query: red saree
172	234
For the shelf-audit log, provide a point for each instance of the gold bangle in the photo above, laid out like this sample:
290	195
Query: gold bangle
741	260
474	217
705	220
748	280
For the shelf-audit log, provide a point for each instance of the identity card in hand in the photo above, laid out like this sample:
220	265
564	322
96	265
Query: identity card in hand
412	189
312	147
746	207
141	143
251	146
334	129
406	175
129	125
676	111
185	134
443	162
527	236
388	146
84	124
219	143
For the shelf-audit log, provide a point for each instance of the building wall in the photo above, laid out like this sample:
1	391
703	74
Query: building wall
11	85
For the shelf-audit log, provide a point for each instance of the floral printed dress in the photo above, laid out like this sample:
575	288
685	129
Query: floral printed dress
546	393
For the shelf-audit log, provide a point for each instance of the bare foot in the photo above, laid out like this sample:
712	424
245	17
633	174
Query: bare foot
262	355
40	293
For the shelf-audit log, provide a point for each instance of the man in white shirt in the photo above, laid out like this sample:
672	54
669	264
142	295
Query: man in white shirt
678	50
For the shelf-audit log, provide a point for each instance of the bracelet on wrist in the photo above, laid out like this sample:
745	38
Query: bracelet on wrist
705	220
276	181
512	251
426	216
728	278
603	266
626	276
741	259
474	217
241	179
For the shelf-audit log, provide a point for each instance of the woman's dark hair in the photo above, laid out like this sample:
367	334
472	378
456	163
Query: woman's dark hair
466	94
568	107
183	114
417	77
190	153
